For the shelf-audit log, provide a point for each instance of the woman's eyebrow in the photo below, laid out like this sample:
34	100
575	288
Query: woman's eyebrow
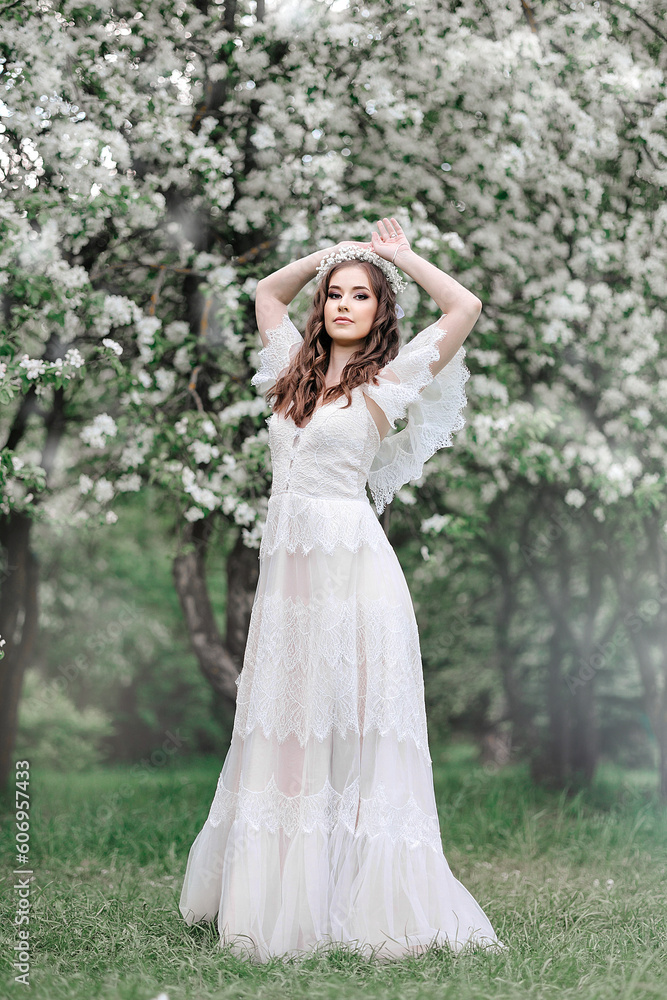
365	288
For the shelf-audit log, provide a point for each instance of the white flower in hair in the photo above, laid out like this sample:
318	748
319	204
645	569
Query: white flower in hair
389	270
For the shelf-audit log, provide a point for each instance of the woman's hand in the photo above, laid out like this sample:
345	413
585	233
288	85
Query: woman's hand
390	241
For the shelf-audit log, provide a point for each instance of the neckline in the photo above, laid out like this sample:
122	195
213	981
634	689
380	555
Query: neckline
331	403
320	406
314	413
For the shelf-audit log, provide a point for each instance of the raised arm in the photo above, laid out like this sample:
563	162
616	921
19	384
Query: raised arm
275	292
460	307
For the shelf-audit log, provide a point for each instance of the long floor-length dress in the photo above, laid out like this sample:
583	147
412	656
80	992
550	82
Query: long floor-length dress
324	826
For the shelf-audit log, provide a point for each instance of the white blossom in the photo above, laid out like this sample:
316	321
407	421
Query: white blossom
69	277
130	483
103	490
33	366
244	407
73	358
243	513
454	241
575	498
252	537
193	514
118	311
176	332
204	497
489	492
147	327
143	440
406	495
182	359
165	379
95	435
110	517
642	414
85	484
436	522
113	346
203	452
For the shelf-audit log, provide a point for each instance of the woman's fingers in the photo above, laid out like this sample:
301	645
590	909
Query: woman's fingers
382	229
389	229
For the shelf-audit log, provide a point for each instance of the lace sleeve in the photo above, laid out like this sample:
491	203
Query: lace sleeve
277	354
432	406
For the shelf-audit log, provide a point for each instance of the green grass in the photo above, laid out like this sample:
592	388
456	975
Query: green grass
109	851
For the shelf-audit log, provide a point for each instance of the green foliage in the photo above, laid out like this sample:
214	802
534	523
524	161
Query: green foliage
54	733
112	632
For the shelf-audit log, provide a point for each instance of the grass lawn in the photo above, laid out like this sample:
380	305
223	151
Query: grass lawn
577	889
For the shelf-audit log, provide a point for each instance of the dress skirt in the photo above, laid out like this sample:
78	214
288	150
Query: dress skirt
324	826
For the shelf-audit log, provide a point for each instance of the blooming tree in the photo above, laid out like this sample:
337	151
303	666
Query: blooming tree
159	161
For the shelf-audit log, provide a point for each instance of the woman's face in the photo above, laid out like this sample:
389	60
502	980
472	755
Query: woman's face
350	307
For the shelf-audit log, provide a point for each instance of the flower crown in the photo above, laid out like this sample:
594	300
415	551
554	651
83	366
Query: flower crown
390	271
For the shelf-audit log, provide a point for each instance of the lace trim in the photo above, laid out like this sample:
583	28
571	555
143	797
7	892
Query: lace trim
411	366
377	816
276	355
344	664
296	521
431	404
273	810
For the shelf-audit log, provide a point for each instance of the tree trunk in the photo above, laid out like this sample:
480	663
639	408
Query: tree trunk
651	562
220	660
522	738
20	573
584	742
18	627
242	576
584	738
559	735
559	747
654	699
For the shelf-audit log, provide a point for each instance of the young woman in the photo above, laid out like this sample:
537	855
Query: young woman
324	826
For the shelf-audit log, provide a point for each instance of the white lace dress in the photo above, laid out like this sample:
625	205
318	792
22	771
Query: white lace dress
324	826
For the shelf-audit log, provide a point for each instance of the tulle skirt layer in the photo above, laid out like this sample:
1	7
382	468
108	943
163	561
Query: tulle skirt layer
334	842
324	829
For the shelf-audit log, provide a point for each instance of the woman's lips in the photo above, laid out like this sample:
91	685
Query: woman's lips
342	319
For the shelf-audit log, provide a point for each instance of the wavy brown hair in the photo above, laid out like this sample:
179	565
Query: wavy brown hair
303	383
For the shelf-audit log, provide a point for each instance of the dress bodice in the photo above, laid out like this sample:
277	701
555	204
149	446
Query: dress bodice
340	449
331	456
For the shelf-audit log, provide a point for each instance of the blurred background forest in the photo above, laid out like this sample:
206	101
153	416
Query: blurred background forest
157	160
